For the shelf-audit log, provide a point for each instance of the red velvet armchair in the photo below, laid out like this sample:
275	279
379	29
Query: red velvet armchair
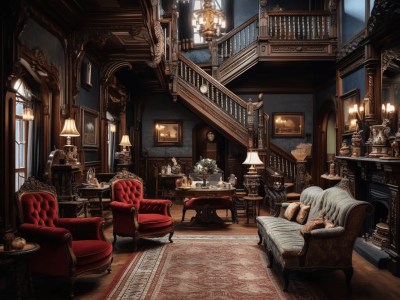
69	247
134	216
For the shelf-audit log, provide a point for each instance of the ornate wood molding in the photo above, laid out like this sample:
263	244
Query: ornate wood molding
351	46
383	13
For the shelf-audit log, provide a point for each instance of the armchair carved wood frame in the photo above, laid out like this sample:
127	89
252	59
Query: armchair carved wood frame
134	216
69	247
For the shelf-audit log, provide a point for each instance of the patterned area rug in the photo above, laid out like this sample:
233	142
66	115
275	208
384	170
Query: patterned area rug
203	267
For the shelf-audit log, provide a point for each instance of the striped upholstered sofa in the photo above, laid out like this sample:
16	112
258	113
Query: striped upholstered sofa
310	247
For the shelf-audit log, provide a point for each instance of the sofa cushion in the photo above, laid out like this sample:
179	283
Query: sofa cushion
312	224
291	211
328	223
285	234
303	213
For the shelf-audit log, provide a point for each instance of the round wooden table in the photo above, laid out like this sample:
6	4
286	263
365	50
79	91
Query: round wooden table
19	259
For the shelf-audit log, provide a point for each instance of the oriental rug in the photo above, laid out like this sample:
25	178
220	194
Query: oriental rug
203	267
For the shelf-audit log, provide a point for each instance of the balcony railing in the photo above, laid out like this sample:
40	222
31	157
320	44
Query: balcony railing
299	25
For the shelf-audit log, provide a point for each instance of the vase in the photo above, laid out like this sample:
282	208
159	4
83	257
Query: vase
204	177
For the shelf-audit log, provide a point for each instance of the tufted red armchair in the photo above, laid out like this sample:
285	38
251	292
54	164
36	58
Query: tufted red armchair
134	216
69	247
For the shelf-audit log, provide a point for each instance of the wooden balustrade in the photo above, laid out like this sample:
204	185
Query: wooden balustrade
238	39
215	92
299	25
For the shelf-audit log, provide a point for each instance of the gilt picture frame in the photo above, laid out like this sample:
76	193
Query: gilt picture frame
167	133
90	128
347	101
288	125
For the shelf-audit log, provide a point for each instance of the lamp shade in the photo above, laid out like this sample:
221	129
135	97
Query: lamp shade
252	159
27	114
69	128
125	141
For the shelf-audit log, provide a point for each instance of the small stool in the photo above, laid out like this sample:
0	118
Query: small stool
252	200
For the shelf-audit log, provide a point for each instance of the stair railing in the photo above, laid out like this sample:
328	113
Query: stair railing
237	39
281	161
211	90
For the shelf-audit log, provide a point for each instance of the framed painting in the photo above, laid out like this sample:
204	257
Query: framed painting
288	125
348	102
90	128
167	133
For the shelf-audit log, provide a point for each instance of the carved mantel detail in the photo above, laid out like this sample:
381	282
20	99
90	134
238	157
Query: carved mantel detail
363	174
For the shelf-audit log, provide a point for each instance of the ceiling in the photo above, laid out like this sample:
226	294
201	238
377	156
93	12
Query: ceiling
113	30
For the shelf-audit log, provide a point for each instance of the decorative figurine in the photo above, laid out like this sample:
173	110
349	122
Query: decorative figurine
345	149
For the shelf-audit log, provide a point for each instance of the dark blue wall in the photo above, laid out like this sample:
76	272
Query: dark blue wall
288	103
353	20
35	36
161	107
201	56
244	10
89	97
355	80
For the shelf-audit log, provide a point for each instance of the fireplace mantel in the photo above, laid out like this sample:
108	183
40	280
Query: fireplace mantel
363	172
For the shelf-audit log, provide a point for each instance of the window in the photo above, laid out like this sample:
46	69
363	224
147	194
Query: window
23	133
112	128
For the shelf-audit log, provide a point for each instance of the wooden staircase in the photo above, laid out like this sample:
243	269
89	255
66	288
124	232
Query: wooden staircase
268	36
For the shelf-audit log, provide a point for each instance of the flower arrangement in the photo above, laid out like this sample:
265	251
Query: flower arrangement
206	166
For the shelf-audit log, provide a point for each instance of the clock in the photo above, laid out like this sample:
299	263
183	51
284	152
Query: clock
210	136
204	88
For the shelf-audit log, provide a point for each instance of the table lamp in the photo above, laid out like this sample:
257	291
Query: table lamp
69	130
252	179
125	155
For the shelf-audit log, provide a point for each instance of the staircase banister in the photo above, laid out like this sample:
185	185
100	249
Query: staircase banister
299	13
237	29
212	80
282	153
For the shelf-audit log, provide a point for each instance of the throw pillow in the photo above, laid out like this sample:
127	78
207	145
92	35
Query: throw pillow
311	225
328	224
291	211
303	213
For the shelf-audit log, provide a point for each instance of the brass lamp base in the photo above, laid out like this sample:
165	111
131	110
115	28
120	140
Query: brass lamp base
71	155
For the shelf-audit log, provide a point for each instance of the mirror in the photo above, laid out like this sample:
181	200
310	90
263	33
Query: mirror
390	60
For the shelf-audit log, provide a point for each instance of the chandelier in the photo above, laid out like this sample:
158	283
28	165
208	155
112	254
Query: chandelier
209	21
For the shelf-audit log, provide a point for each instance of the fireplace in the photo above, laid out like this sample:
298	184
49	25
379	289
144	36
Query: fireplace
378	182
377	227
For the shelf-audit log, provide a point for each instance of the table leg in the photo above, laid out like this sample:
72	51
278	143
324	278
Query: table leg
247	211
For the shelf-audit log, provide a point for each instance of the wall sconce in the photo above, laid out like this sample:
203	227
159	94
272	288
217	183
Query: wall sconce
357	115
71	152
27	114
387	110
113	128
252	179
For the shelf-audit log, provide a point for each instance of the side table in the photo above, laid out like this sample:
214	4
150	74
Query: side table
251	203
20	260
95	196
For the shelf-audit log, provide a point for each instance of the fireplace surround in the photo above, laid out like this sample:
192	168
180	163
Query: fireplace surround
377	181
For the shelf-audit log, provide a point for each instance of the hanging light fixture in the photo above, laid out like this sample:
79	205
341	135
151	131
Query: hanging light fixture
209	21
27	114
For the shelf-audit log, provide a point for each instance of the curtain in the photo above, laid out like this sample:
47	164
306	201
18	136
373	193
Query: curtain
36	135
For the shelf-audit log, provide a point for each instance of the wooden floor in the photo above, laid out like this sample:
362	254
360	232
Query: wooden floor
368	282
